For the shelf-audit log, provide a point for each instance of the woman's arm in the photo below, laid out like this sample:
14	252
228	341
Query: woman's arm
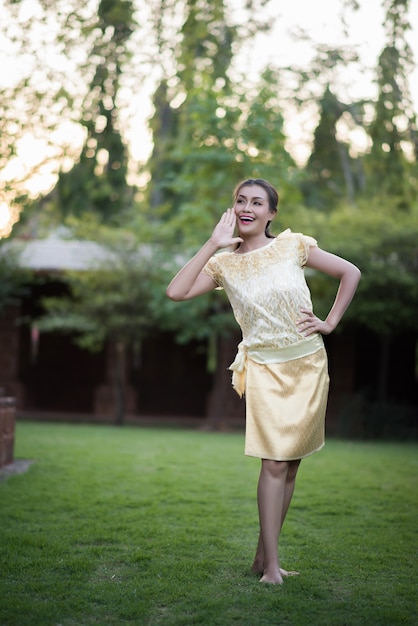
348	275
190	281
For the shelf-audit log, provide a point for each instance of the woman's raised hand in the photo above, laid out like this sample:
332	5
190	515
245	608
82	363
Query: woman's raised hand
223	233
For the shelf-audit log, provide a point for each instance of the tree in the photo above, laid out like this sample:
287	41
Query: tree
197	118
391	164
73	60
335	170
211	129
333	174
43	46
203	57
97	182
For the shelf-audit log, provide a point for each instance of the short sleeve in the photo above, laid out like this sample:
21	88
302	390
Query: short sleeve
305	242
212	270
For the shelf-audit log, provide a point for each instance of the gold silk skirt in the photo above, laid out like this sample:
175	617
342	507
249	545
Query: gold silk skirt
285	407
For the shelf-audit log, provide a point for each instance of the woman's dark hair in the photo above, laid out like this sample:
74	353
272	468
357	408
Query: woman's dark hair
272	195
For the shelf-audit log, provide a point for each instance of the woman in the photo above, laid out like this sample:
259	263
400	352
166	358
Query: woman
281	365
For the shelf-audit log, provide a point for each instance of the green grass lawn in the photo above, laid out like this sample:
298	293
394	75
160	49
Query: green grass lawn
158	526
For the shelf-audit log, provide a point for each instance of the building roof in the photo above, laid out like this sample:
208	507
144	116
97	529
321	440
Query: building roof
60	252
55	254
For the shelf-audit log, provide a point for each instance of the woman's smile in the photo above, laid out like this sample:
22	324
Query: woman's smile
246	219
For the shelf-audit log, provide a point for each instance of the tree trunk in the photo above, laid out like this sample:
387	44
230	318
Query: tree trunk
382	381
119	382
348	174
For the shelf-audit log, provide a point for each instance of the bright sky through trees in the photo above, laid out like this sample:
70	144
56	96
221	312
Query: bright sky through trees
322	23
319	20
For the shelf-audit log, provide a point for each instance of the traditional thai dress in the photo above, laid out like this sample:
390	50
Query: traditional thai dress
282	374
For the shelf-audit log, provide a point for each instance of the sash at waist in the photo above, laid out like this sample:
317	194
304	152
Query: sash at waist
270	355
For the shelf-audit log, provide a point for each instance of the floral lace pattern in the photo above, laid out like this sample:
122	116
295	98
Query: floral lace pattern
267	289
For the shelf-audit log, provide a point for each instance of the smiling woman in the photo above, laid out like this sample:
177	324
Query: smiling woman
281	364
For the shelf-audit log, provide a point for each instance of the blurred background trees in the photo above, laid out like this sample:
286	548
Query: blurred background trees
79	66
98	182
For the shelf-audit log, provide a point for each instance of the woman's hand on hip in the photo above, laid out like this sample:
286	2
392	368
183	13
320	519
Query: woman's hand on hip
309	323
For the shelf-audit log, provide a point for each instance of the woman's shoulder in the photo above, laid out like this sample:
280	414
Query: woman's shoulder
289	234
219	259
297	244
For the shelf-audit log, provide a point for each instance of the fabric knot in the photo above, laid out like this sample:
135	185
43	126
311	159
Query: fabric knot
239	368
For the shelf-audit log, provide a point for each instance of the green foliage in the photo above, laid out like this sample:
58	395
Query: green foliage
70	57
222	131
382	242
97	183
190	132
205	52
210	132
201	318
112	299
336	169
13	279
143	526
41	95
212	127
221	139
390	169
332	174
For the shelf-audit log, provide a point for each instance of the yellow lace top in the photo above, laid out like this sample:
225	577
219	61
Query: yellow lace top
267	289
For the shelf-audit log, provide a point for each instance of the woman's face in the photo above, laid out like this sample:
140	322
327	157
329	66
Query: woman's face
252	209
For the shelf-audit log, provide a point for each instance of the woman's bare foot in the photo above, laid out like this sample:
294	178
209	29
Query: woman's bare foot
285	572
258	568
274	577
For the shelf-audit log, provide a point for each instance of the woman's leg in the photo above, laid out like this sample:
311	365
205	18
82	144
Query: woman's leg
289	487
270	496
275	490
